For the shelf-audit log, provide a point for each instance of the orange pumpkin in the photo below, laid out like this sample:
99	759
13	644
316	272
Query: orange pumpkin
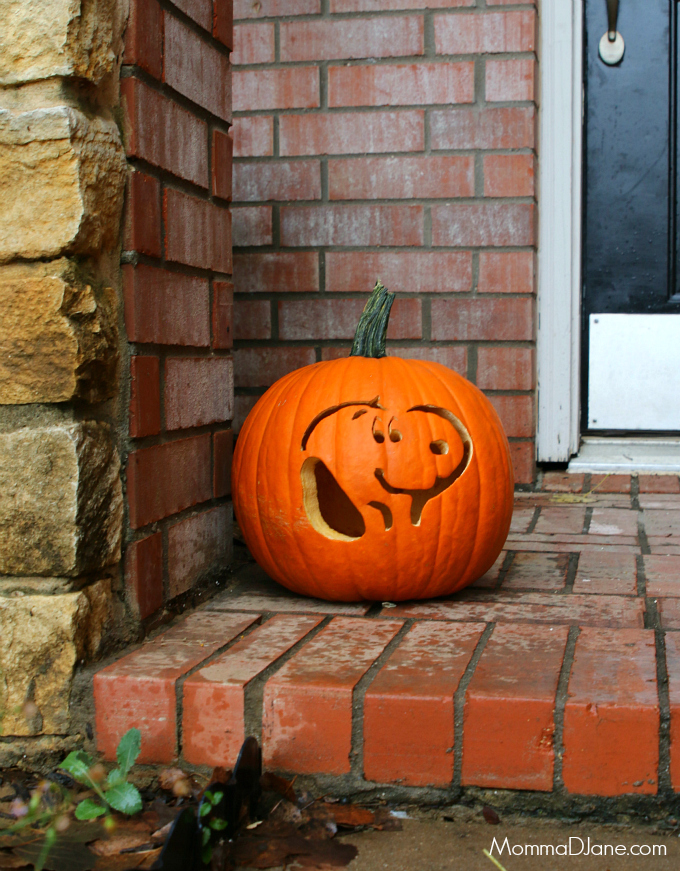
372	477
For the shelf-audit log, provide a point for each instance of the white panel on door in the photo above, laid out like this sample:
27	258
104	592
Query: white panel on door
634	372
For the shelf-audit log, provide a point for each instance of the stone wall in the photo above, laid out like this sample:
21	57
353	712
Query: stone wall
393	140
116	385
62	179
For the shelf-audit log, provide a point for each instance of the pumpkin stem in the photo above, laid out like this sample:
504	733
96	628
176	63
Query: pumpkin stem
369	339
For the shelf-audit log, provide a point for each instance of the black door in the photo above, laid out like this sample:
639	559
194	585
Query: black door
630	240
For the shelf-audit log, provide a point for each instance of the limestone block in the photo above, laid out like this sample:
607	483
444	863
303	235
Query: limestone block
62	178
61	503
75	38
57	336
42	639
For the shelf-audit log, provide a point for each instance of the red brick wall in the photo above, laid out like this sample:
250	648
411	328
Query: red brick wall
177	265
391	139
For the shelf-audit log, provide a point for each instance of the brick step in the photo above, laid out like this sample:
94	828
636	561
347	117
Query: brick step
379	697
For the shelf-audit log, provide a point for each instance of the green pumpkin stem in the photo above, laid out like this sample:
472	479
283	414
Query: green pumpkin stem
369	339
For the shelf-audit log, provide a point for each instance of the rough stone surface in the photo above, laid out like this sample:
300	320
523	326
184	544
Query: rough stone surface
42	753
62	178
75	38
61	504
57	336
42	638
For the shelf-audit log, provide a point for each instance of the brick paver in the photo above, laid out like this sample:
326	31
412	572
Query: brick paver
214	697
611	720
332	706
608	573
408	709
509	709
139	689
307	717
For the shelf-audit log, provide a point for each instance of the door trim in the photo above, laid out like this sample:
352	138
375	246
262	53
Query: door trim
559	236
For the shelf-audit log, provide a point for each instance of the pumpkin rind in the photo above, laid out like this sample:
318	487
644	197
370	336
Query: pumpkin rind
462	529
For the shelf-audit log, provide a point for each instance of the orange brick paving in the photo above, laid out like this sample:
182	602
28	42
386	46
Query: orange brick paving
558	672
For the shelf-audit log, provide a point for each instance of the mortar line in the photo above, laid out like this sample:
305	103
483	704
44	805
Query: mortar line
534	520
587	519
561	698
356	755
504	569
459	705
572	568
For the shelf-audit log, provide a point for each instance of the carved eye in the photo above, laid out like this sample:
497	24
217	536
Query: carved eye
378	434
439	447
395	435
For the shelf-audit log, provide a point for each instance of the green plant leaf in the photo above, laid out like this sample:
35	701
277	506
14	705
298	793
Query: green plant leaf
78	764
128	749
216	799
115	776
124	797
218	825
204	810
89	810
206	854
205	835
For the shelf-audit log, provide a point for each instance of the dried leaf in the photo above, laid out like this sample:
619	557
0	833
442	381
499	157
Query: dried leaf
490	815
119	842
9	860
64	854
169	776
220	775
274	783
274	852
127	861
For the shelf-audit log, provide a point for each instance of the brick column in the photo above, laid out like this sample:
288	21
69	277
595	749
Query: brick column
176	100
392	140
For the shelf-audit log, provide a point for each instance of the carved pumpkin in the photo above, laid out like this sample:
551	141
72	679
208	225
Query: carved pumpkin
373	477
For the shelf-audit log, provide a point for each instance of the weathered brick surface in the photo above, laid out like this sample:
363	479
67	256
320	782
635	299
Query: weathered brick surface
176	112
495	32
144	37
222	314
351	38
198	391
166	308
509	709
163	133
400	178
196	546
139	690
253	320
400	85
368	187
214	697
144	573
351	133
408	708
145	396
142	231
307	707
197	233
196	69
611	719
167	478
278	180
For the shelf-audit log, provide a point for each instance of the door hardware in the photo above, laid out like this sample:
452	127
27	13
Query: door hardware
611	44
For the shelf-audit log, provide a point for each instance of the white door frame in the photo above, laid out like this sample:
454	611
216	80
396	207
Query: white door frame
559	236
